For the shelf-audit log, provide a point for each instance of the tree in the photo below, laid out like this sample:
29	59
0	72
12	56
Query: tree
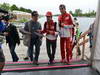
78	12
5	6
0	5
29	10
71	12
22	9
25	10
93	13
14	7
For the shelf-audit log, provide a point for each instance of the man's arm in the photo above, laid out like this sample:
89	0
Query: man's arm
25	30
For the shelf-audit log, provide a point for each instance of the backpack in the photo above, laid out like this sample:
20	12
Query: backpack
26	36
26	40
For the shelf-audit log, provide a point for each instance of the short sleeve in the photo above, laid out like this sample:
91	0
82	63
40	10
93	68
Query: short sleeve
26	28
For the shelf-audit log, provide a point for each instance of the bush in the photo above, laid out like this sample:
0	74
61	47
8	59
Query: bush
23	20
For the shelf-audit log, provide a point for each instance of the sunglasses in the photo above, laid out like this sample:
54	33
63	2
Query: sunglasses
35	15
48	16
61	8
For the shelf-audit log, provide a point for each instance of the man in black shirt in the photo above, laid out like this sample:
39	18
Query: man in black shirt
12	38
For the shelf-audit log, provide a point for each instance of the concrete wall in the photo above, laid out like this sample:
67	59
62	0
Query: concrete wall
96	46
96	65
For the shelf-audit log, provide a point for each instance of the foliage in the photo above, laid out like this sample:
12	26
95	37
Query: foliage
14	7
5	6
78	12
25	10
23	20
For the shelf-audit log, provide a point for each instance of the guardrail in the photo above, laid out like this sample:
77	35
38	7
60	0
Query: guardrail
83	42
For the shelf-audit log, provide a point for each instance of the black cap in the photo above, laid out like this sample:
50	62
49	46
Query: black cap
34	13
6	17
62	6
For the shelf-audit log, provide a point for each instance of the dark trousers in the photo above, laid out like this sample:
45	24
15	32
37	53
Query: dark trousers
37	44
2	57
51	49
90	40
2	60
12	51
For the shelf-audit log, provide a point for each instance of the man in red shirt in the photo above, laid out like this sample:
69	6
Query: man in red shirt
51	36
66	34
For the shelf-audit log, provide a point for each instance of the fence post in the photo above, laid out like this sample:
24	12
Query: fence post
83	48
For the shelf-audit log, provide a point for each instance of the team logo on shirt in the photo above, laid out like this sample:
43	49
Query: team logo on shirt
52	27
66	18
47	26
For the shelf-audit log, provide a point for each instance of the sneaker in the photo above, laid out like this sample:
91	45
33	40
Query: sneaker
63	61
68	63
16	60
26	58
90	46
35	62
51	62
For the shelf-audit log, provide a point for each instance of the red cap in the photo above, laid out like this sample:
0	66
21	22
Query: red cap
49	13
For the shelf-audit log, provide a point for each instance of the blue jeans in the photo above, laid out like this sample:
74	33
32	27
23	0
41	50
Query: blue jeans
37	44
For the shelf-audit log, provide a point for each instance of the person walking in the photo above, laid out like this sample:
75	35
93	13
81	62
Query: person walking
66	34
51	36
77	34
2	57
12	37
34	28
90	34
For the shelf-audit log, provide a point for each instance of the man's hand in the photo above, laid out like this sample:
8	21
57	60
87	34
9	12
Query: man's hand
39	31
5	33
51	32
62	24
